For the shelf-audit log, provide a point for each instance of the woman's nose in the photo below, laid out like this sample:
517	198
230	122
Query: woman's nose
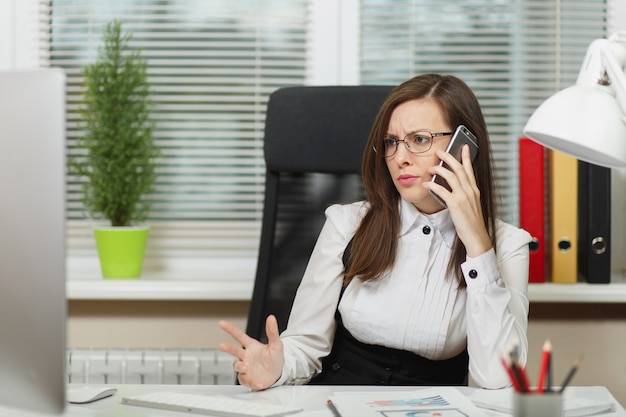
402	154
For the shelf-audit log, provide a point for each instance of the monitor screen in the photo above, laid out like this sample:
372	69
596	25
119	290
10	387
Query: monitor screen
32	240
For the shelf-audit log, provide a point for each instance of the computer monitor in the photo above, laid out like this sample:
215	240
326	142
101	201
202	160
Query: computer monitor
32	240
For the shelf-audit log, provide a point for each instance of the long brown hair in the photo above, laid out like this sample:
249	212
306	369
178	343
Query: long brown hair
376	239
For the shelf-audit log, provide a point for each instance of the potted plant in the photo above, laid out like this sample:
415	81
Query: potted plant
116	156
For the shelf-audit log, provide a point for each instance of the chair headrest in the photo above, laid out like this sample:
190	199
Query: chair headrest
320	129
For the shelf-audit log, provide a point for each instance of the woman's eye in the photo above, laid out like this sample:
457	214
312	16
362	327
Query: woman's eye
421	139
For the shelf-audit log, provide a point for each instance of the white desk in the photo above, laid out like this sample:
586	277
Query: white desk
310	398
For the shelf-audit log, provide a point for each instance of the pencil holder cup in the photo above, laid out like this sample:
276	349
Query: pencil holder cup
534	405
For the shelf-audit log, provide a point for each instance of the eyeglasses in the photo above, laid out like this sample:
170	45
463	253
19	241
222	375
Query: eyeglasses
416	142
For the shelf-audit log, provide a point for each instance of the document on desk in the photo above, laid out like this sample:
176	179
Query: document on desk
441	401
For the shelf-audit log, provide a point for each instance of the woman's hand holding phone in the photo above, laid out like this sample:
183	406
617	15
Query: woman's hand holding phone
462	136
463	199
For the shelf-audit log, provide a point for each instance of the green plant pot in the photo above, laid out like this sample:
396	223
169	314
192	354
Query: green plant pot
121	251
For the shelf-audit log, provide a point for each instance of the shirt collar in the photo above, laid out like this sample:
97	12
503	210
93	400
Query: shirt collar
440	222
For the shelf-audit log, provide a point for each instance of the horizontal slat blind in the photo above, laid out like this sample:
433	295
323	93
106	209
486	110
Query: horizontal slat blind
212	65
513	54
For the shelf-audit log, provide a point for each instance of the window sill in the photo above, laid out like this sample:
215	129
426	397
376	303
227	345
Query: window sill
578	293
148	289
232	279
226	279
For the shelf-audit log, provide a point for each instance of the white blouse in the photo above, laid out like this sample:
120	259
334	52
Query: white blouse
414	306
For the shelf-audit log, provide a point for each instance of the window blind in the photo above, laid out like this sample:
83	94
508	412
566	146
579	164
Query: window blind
513	54
212	66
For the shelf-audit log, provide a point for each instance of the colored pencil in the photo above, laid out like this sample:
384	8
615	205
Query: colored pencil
544	368
332	408
571	373
514	380
518	371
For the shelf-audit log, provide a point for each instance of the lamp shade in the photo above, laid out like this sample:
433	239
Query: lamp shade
584	121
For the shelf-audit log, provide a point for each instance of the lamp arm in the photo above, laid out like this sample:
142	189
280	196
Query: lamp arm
614	61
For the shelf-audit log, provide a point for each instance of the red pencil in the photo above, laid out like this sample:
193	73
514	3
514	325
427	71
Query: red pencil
512	376
520	373
545	364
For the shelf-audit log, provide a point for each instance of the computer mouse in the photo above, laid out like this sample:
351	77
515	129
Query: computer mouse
88	393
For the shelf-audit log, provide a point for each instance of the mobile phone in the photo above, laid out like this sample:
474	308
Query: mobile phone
461	136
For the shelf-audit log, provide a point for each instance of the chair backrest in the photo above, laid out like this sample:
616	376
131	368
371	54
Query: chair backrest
314	141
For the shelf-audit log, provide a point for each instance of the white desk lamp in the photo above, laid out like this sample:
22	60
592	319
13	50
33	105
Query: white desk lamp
587	120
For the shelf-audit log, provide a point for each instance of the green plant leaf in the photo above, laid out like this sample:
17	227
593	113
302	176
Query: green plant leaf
118	167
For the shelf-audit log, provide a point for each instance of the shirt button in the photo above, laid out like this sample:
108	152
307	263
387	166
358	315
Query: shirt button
426	230
473	273
336	366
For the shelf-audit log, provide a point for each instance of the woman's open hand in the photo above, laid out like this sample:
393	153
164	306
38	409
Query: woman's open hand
258	365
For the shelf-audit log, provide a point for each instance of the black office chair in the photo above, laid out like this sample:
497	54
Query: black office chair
314	140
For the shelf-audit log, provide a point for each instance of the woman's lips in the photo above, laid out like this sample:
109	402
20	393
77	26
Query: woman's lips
406	179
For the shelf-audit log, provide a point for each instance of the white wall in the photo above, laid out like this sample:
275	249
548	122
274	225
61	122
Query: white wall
616	16
18	34
7	35
333	43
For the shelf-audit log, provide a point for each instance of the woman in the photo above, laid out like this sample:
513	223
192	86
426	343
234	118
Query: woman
399	289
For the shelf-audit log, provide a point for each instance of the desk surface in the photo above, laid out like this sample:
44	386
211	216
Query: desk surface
311	398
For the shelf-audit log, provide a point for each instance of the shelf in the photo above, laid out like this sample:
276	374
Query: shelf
241	290
577	293
233	280
180	280
146	289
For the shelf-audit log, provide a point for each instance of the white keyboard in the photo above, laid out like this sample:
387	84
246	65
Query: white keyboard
210	405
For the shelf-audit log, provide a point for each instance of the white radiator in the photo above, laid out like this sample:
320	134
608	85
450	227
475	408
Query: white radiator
149	366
